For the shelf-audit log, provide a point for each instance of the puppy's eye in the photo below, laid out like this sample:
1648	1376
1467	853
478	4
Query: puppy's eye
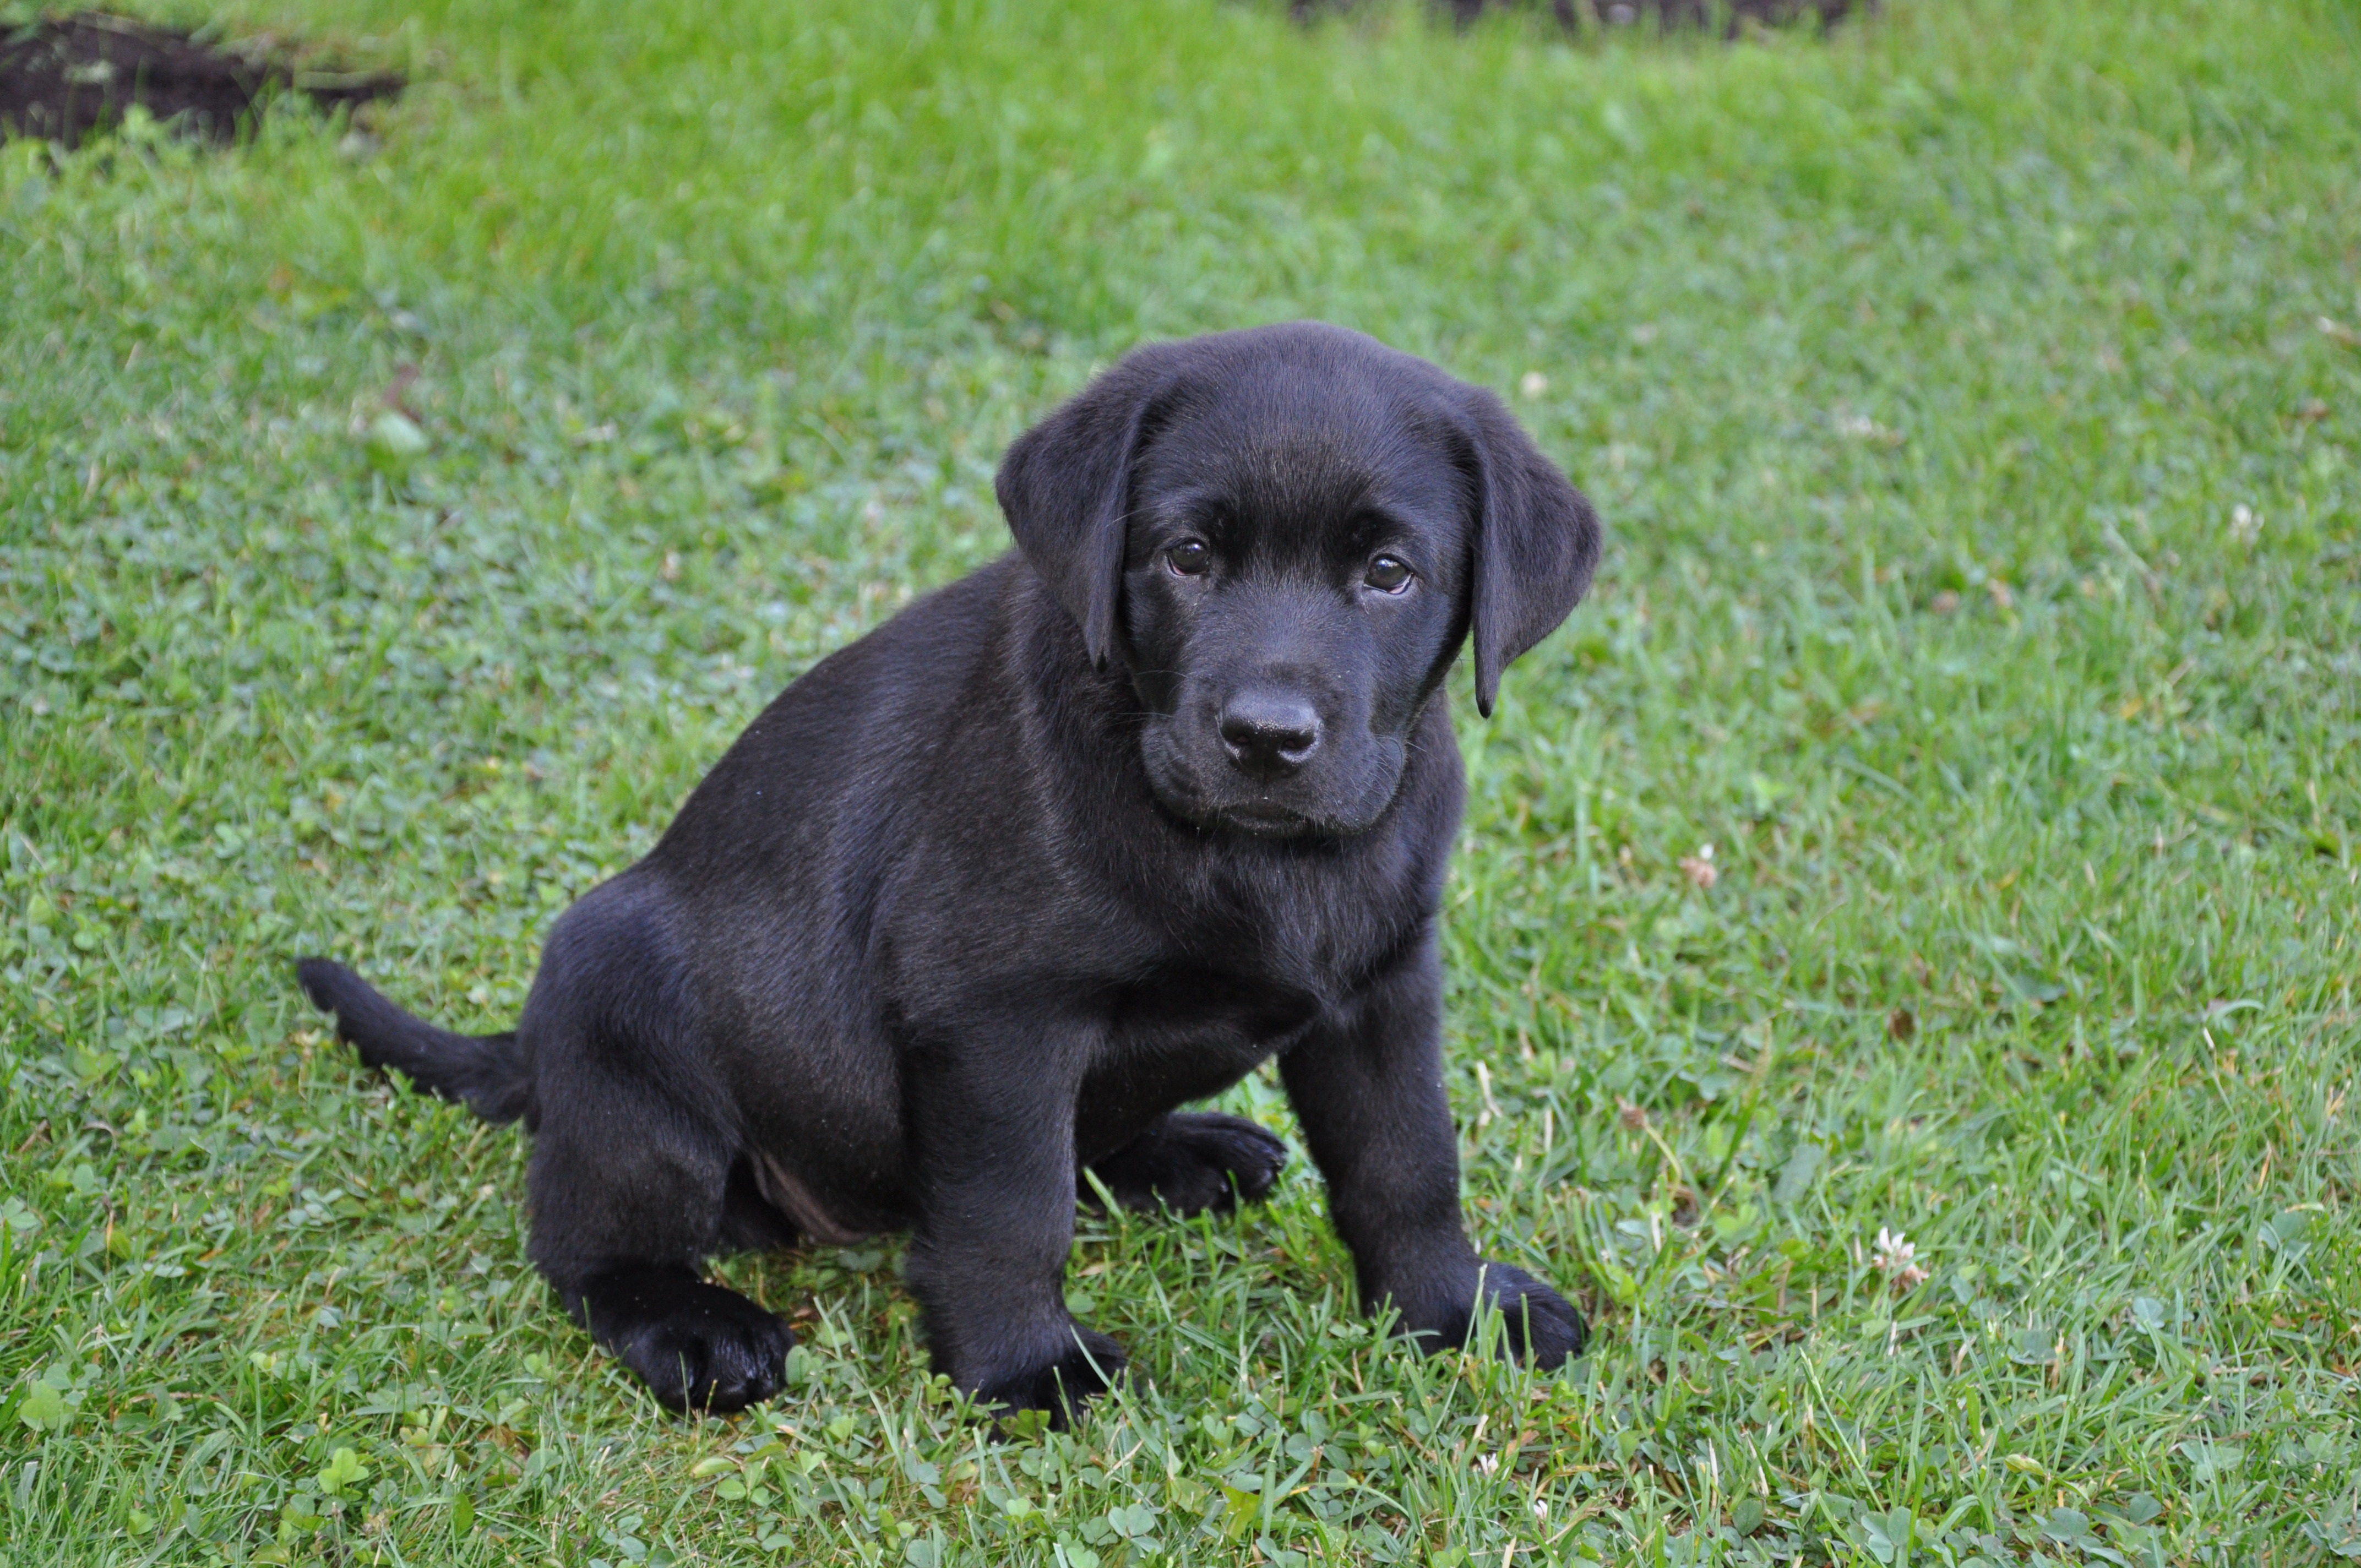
1189	557
1388	575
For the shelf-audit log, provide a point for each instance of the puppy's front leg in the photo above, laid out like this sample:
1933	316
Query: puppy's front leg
993	1134
1369	1091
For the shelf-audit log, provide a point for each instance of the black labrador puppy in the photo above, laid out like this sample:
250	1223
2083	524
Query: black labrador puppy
1085	837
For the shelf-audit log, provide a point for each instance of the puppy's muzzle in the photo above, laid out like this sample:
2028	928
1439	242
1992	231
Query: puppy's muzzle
1268	734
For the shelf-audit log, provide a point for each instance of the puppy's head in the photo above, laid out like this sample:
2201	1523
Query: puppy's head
1285	534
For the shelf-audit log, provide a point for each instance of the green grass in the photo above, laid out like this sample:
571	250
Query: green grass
1975	402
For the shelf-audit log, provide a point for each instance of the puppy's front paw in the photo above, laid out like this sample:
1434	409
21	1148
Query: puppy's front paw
1537	1324
1192	1162
1062	1384
696	1346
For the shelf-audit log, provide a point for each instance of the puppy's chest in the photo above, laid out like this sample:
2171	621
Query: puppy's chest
1309	935
1185	1034
1237	981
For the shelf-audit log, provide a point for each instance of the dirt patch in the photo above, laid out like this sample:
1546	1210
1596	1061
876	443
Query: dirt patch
63	78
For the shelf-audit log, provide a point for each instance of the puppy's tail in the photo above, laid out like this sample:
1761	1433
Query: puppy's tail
486	1072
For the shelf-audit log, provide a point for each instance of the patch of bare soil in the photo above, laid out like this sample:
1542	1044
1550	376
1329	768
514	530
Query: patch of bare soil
62	77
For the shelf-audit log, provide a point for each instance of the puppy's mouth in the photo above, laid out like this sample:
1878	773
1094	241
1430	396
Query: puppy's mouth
1338	799
1260	819
1260	815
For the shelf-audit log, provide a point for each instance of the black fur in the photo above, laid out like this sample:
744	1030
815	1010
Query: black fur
485	1073
984	897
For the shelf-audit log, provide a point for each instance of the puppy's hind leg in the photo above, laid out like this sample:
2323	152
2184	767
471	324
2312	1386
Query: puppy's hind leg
1189	1161
631	1167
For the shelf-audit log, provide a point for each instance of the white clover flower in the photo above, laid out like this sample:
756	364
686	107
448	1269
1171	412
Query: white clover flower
1897	1257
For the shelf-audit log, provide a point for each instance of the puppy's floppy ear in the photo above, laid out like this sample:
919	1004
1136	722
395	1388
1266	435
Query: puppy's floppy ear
1537	543
1065	487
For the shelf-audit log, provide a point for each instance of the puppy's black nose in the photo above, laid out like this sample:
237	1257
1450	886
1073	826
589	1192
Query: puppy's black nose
1270	733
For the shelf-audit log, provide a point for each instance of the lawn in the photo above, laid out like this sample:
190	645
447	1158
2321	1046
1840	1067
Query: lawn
1943	822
